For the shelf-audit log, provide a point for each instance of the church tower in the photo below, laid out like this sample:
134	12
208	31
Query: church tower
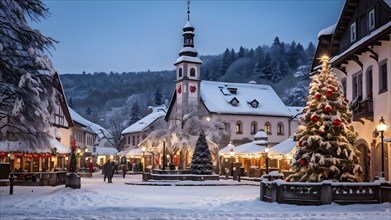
188	70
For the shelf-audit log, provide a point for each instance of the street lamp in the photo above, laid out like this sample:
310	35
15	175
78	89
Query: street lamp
143	150
232	153
381	127
267	160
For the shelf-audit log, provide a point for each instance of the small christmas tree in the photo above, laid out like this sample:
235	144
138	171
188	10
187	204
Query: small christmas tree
73	163
201	162
325	137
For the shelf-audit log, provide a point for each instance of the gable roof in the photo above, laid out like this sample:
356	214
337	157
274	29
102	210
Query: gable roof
216	97
143	123
91	127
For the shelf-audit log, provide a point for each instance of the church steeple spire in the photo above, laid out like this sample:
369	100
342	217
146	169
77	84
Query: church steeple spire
188	37
188	10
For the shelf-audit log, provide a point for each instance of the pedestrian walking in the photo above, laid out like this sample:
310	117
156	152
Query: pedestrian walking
108	172
123	170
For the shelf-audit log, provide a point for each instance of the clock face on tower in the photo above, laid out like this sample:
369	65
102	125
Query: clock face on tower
193	88
179	89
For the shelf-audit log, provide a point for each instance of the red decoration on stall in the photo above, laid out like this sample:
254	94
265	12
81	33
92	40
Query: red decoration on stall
314	118
337	122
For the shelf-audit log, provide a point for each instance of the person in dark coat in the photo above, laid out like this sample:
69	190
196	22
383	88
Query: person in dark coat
108	172
123	170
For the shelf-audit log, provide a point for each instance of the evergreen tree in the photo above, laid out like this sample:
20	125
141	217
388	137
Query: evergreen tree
241	52
134	113
225	63
301	55
325	149
251	53
276	72
73	163
292	56
159	100
201	163
26	74
258	69
88	110
267	68
233	55
310	52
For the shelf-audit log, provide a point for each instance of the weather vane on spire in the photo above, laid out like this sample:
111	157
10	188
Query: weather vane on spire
188	10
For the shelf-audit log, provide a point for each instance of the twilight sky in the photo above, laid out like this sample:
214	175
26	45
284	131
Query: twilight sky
127	36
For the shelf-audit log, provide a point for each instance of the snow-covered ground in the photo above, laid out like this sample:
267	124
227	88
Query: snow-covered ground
99	200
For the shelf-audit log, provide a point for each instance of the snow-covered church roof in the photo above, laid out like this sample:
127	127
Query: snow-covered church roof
143	123
242	98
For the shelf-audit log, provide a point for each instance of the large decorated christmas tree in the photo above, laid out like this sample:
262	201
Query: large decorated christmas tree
73	163
325	150
201	162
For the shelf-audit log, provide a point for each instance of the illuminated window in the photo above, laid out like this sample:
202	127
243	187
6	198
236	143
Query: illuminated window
239	127
280	128
268	128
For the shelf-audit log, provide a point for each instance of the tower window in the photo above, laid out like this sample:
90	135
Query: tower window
192	72
180	72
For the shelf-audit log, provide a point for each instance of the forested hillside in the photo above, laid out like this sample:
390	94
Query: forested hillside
100	97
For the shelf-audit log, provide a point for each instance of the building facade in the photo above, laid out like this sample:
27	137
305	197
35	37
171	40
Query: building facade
360	50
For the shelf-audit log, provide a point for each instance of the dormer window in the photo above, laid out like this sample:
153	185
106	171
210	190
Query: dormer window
233	91
234	101
254	103
353	32
371	19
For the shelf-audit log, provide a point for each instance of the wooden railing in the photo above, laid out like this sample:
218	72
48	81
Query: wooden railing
325	192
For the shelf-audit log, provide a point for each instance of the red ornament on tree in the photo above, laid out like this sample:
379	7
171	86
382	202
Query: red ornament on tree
314	118
317	96
337	122
193	89
179	89
303	162
327	108
300	143
329	93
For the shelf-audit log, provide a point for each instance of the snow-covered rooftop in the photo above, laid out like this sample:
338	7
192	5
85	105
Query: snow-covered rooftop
62	149
284	148
145	122
327	31
254	147
260	134
188	59
217	96
188	49
105	151
97	129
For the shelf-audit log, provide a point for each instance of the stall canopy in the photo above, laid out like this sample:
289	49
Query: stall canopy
284	149
136	152
105	151
60	148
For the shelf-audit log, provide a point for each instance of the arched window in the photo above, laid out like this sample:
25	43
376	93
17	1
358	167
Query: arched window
239	127
192	72
180	72
254	127
268	128
280	128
